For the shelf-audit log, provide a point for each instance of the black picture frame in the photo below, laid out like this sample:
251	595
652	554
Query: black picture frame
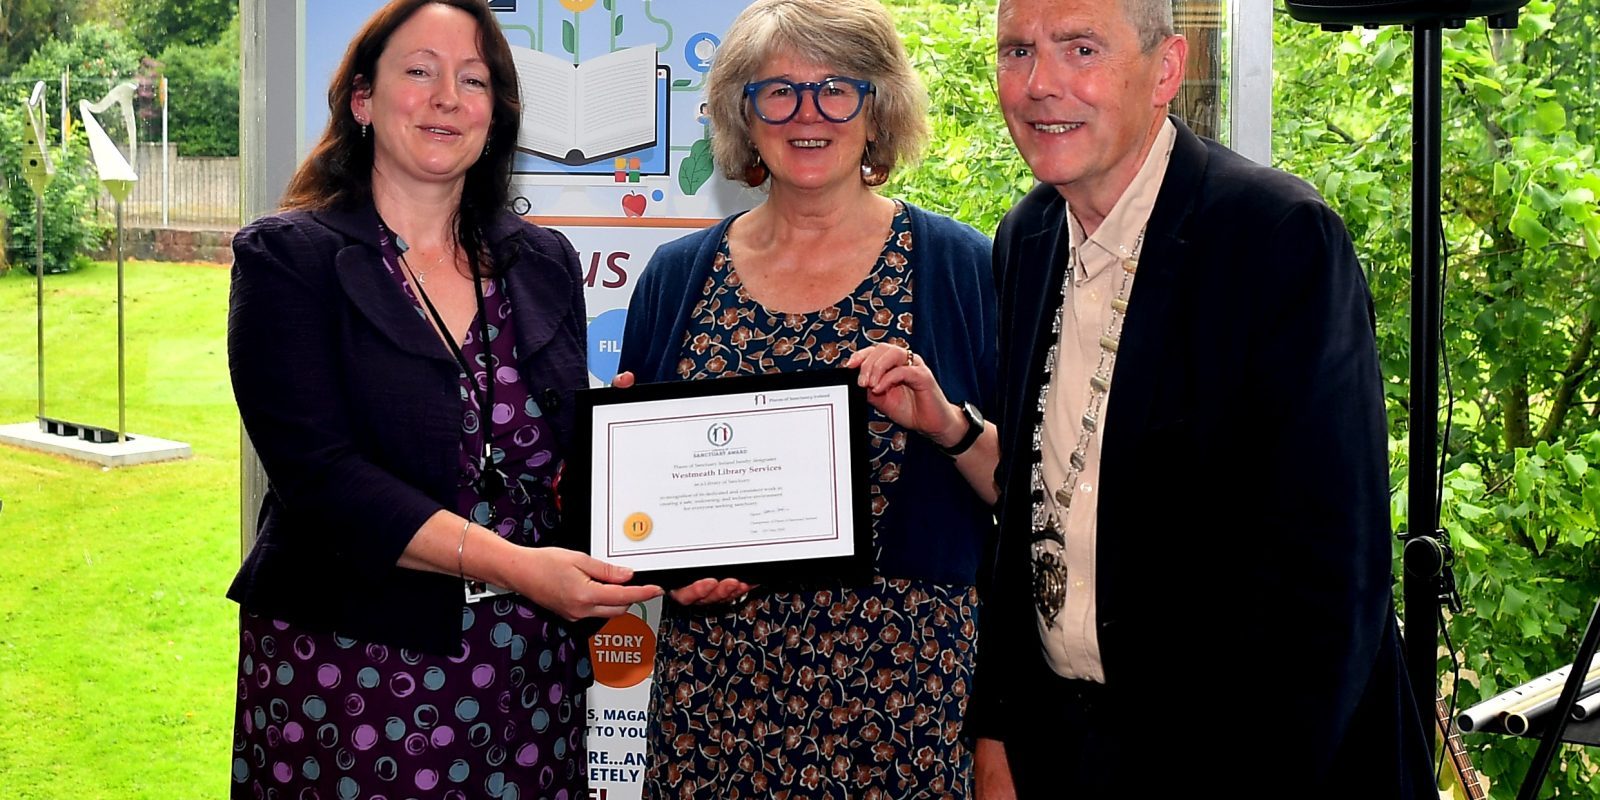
578	479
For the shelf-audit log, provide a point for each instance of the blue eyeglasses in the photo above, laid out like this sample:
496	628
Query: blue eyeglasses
838	99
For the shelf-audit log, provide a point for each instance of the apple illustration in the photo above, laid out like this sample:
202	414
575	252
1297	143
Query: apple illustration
633	204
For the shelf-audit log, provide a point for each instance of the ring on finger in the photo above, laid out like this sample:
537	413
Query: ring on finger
911	358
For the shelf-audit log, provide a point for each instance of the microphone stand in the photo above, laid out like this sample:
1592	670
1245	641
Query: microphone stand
1428	577
1425	554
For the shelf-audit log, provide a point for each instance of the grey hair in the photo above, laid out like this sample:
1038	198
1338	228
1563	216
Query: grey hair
1152	19
856	37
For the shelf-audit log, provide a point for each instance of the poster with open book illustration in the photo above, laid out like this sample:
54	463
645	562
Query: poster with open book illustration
613	98
578	114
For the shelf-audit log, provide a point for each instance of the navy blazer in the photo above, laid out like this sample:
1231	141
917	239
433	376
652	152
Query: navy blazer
1243	550
936	527
355	408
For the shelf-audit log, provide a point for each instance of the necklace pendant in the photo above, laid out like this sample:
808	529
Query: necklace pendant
1130	265
1049	585
1109	343
1119	305
1063	497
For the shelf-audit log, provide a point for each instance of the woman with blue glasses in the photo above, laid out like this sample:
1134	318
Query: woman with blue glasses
827	689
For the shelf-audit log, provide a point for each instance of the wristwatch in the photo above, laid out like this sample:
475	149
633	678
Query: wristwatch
974	430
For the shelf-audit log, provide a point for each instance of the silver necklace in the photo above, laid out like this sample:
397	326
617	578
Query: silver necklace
421	275
1049	537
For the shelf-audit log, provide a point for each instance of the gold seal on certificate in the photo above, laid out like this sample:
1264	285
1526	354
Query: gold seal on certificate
751	477
636	526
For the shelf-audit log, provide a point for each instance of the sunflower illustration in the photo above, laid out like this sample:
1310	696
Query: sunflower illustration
577	6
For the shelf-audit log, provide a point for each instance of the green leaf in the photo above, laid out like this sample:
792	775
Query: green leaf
1576	208
1530	627
1512	601
1386	55
1543	198
1525	224
1591	496
1331	188
609	5
1502	178
696	168
1576	466
1467	540
1549	117
616	28
1578	535
1535	25
569	37
681	82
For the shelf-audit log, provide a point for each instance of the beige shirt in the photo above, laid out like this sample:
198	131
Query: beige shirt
1071	645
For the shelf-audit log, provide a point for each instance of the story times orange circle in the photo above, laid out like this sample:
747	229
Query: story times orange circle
623	652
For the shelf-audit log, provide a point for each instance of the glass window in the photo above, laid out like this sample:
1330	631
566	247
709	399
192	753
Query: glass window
1200	100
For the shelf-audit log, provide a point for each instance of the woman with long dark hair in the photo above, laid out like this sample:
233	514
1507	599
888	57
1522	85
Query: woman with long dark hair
403	351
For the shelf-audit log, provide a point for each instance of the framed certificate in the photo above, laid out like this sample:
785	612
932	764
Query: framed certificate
760	478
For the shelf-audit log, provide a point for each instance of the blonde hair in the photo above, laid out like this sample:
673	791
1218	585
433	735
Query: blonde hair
854	36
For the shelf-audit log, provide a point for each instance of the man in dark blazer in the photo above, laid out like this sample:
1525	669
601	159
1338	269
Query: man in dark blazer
1193	575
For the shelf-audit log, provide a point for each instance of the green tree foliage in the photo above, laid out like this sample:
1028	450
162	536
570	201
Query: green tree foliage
26	24
159	24
203	84
71	227
970	171
1522	229
97	56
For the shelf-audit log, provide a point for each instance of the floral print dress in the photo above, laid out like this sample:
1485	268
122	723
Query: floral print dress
831	691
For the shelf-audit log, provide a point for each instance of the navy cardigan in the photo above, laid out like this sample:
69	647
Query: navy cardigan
936	527
354	406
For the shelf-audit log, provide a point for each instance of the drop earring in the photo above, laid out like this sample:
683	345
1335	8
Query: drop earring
871	174
756	173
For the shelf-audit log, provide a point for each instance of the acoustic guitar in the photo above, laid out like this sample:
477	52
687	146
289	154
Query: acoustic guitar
1461	781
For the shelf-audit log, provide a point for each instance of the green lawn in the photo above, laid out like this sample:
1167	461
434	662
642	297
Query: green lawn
116	643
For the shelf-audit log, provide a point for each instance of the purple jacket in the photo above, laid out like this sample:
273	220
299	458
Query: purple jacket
354	407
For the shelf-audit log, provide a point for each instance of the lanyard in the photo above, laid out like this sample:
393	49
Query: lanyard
486	404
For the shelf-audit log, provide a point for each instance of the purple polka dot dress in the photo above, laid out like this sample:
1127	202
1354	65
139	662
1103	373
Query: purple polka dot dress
325	717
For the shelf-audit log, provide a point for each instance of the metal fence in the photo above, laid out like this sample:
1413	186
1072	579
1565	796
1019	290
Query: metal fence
186	192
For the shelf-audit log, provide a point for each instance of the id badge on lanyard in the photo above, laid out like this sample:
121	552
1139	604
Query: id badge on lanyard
479	590
475	590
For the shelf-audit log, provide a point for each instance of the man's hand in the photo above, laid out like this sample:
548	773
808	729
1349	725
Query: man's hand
709	591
